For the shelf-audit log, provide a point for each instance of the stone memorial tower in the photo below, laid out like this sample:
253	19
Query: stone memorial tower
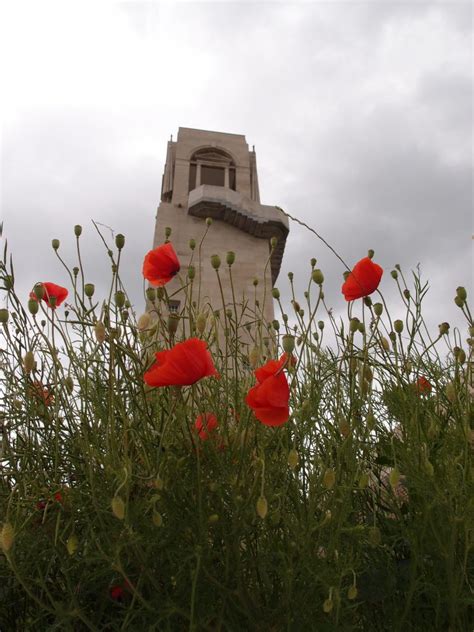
213	174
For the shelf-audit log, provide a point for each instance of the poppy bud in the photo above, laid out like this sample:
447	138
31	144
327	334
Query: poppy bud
38	291
276	293
328	605
72	544
273	242
29	362
173	322
296	306
443	329
354	324
33	306
213	519
118	507
361	328
151	294
75	271
352	592
230	258
317	276
208	221
52	300
375	537
378	309
459	302
120	241
370	254
394	477
284	318
144	321
345	275
255	282
406	294
4	315
461	292
55	244
262	507
157	519
288	343
192	244
301	313
398	326
313	262
100	333
275	325
216	262
394	274
293	458
329	478
367	301
124	315
69	384
320	325
167	232
7	536
201	321
290	276
460	355
393	337
78	230
89	289
119	298
191	272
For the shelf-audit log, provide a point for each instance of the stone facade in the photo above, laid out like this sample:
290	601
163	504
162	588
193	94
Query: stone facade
213	174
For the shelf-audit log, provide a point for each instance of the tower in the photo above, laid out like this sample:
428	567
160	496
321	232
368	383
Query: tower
213	174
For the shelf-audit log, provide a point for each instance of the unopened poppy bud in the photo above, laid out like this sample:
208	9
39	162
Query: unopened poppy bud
352	592
345	275
72	544
284	317
375	537
301	313
192	244
328	605
230	258
370	254
460	355
290	276
394	274
173	322
288	343
213	518
38	291
276	293
4	315
293	459
208	221
262	507
329	478
398	326
406	294
78	230
296	306
216	262
29	362
124	315
69	384
7	537
157	519
317	276
255	282
75	271
394	477
99	331
367	301
275	325
167	232
33	306
443	329
118	507
89	289
313	262
191	272
120	241
320	325
378	309
461	292
151	294
273	242
52	300
393	337
119	298
354	324
459	302
55	244
361	328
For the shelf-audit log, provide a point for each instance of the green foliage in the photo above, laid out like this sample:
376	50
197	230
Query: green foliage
357	514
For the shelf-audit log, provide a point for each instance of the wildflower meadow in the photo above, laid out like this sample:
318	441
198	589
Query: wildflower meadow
207	470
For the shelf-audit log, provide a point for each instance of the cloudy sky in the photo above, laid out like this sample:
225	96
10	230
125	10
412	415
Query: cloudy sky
361	114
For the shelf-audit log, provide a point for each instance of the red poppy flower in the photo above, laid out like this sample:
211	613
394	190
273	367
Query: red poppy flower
269	399
117	593
423	387
183	365
363	280
52	290
205	424
161	264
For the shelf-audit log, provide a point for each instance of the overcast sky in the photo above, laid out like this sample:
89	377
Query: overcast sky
360	112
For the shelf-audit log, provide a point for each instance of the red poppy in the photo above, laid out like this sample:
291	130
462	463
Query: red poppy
205	424
161	264
363	280
183	365
269	399
423	387
40	393
52	290
117	593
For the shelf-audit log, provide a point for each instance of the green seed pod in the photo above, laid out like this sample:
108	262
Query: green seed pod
118	507
173	322
290	276
329	478
216	262
273	242
328	605
317	276
406	294
293	459
124	315
262	507
320	325
394	274
276	293
361	328
213	519
370	254
8	280
4	315
33	306
459	302
151	294
55	244
284	318
367	301
7	537
72	544
354	324
378	309
208	221
296	306
120	241
75	271
313	262
443	329
288	343
78	230
255	282
461	292
352	592
301	313
167	232
192	244
230	258
460	356
38	291
191	272
69	384
398	326
52	300
119	298
89	289
275	325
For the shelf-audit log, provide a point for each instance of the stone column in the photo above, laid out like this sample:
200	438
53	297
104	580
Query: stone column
198	175
226	178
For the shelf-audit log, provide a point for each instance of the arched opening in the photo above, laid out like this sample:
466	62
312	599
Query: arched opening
211	166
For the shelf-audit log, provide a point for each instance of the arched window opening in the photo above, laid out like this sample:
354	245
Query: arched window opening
211	166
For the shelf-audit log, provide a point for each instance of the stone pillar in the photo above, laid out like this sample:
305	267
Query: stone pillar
198	175
226	178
